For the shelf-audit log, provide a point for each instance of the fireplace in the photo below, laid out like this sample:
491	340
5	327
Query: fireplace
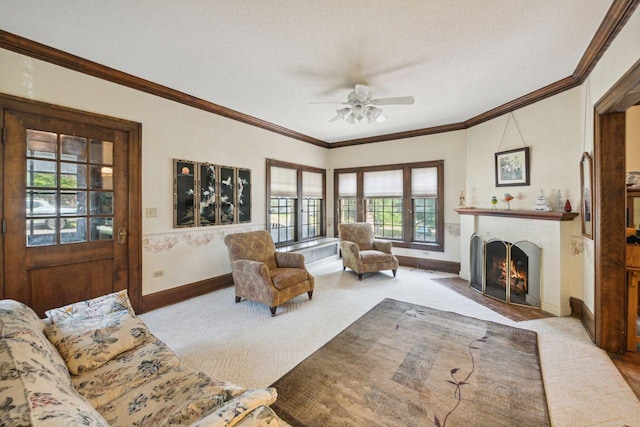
509	272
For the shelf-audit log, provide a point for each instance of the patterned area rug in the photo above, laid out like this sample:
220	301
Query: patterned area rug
402	364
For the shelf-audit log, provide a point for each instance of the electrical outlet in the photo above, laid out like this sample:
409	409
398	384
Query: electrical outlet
158	273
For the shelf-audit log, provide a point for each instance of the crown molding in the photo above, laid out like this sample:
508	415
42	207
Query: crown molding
614	20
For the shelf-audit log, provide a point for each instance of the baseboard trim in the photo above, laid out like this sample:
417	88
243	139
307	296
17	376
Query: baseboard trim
185	292
429	264
582	312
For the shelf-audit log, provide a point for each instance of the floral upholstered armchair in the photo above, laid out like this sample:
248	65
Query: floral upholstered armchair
362	253
263	275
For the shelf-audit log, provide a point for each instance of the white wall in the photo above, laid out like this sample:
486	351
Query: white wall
169	130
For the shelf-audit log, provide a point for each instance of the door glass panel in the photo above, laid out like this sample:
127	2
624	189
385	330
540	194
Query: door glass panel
73	148
73	175
101	203
41	173
73	230
60	209
101	228
73	203
101	152
38	234
101	177
42	145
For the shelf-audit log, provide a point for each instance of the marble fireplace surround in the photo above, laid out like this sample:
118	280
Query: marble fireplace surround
551	231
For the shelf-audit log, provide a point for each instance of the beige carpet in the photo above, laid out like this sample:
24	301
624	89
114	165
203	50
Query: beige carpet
242	343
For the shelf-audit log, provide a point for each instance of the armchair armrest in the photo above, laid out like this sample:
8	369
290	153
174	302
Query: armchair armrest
352	247
290	260
251	267
382	245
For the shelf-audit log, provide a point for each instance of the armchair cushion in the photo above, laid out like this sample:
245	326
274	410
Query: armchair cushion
373	256
359	233
285	277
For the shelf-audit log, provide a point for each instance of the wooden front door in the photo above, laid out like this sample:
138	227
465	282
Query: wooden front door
68	210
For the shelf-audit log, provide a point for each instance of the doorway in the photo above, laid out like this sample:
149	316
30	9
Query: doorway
611	293
70	205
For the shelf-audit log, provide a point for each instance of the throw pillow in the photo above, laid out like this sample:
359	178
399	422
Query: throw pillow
85	343
94	307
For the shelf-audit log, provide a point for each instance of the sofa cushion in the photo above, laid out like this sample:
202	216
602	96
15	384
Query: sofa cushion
182	397
125	372
373	256
95	307
283	278
36	389
86	343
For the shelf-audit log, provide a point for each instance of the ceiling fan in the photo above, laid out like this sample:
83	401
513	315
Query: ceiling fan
361	105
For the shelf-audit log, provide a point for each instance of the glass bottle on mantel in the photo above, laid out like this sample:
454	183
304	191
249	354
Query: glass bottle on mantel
541	203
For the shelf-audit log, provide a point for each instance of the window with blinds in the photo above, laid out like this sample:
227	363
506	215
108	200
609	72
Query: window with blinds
404	202
296	202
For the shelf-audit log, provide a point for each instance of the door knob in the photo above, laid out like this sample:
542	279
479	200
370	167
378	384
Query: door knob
122	236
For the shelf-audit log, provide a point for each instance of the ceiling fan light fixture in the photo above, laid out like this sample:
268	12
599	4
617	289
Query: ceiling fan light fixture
373	114
351	119
343	112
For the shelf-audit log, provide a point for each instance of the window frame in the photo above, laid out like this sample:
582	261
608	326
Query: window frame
299	205
407	202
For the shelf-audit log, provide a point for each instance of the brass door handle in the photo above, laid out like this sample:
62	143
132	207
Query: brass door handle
122	236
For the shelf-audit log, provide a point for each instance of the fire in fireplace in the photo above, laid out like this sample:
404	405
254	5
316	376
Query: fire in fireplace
510	271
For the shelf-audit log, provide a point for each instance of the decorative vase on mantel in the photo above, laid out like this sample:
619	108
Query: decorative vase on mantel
542	205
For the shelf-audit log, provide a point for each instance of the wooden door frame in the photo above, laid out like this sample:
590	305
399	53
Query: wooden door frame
610	201
134	136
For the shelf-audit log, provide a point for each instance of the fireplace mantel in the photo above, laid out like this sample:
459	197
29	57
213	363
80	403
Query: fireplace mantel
546	216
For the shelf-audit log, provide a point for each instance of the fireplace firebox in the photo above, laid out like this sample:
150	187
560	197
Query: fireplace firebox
509	272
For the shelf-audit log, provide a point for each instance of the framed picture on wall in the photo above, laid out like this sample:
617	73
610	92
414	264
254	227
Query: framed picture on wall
184	201
512	167
208	194
227	195
586	195
244	195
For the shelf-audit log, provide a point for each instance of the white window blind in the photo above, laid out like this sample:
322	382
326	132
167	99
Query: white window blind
311	185
283	182
347	185
383	183
424	182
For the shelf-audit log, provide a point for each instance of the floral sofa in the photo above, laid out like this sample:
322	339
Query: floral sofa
95	363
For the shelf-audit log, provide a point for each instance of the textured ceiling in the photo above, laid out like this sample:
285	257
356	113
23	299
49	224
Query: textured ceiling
272	59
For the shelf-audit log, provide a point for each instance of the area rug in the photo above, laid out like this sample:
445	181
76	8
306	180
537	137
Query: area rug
402	364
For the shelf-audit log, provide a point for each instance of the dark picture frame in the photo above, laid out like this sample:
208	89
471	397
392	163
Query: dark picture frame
243	181
227	198
586	195
184	188
512	168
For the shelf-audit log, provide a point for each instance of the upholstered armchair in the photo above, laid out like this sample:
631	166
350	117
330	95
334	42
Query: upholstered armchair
263	275
362	253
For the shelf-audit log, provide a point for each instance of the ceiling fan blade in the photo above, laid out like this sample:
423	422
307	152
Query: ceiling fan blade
335	119
400	100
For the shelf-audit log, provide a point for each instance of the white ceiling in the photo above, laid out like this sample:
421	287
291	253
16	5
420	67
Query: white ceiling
271	58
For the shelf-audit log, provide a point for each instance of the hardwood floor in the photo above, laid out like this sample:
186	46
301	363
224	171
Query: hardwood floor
628	364
517	313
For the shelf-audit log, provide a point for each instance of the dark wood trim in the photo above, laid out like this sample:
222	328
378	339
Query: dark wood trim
49	54
545	216
185	292
615	19
582	312
429	264
609	232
